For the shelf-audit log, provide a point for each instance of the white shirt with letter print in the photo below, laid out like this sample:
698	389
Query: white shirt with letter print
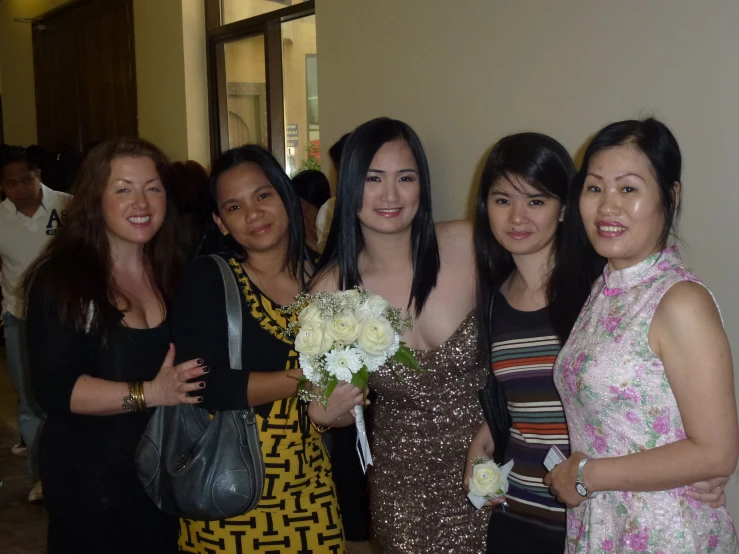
23	239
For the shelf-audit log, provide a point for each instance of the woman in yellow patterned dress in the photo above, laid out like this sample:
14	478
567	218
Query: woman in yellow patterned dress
259	214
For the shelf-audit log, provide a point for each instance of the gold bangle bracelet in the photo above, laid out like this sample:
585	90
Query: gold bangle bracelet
129	402
322	428
142	401
135	401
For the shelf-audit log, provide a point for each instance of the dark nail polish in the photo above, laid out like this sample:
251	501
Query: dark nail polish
200	398
200	361
206	369
201	385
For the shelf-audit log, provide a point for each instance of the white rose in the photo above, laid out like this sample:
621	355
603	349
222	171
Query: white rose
376	336
310	313
350	298
312	339
486	479
344	328
374	306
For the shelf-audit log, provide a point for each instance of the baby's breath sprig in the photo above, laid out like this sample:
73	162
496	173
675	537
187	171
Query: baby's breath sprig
399	322
479	460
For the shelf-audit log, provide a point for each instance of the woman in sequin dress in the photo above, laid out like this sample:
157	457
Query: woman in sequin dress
383	237
646	376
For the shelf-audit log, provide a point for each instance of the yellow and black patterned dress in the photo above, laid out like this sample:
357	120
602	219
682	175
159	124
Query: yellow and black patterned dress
298	512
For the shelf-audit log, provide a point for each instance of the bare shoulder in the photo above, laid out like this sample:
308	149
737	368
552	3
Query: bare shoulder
686	316
457	231
457	253
326	280
455	242
686	300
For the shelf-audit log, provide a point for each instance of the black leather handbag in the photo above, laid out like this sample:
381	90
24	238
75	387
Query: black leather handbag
495	405
201	468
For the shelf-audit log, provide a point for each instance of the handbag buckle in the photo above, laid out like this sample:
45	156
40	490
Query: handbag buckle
249	417
183	461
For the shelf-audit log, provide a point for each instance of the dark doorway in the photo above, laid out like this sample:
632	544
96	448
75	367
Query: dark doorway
85	71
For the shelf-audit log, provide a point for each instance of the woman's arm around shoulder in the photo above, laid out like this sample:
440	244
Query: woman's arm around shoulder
457	253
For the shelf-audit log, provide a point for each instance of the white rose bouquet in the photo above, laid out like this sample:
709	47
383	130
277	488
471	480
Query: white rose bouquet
488	480
345	336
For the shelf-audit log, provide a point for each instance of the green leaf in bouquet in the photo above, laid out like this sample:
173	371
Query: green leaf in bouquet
405	356
361	378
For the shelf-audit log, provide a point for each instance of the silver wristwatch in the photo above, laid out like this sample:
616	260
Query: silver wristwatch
582	490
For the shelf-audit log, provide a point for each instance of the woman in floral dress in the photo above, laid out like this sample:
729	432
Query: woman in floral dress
646	376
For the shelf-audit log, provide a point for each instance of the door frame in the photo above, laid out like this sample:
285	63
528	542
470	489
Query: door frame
268	25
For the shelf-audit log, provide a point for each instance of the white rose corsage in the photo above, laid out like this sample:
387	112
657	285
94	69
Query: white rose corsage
488	481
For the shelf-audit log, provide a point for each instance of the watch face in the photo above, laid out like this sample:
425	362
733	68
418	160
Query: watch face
581	490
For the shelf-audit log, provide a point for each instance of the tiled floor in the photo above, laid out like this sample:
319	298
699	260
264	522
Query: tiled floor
22	524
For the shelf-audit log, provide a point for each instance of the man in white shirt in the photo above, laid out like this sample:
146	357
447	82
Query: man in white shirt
29	219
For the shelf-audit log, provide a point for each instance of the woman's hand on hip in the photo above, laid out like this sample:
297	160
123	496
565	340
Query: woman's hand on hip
709	492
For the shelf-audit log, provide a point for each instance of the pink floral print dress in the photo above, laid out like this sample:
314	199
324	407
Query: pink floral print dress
618	401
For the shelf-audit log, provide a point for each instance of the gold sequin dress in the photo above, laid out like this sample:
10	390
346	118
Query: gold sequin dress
422	427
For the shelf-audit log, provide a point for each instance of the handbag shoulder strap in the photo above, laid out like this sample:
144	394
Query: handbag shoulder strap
233	312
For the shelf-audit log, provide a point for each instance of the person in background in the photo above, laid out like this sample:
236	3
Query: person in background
29	218
190	185
66	161
314	191
326	213
646	377
45	162
98	302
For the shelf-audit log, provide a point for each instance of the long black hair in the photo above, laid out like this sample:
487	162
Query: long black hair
655	140
251	153
545	164
345	240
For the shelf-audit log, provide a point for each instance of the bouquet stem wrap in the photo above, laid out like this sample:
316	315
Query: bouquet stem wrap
363	449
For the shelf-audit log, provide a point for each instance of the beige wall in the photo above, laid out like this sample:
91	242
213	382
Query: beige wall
160	74
465	73
170	72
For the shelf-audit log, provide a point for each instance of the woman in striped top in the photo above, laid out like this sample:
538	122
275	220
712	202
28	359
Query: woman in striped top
533	277
528	299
